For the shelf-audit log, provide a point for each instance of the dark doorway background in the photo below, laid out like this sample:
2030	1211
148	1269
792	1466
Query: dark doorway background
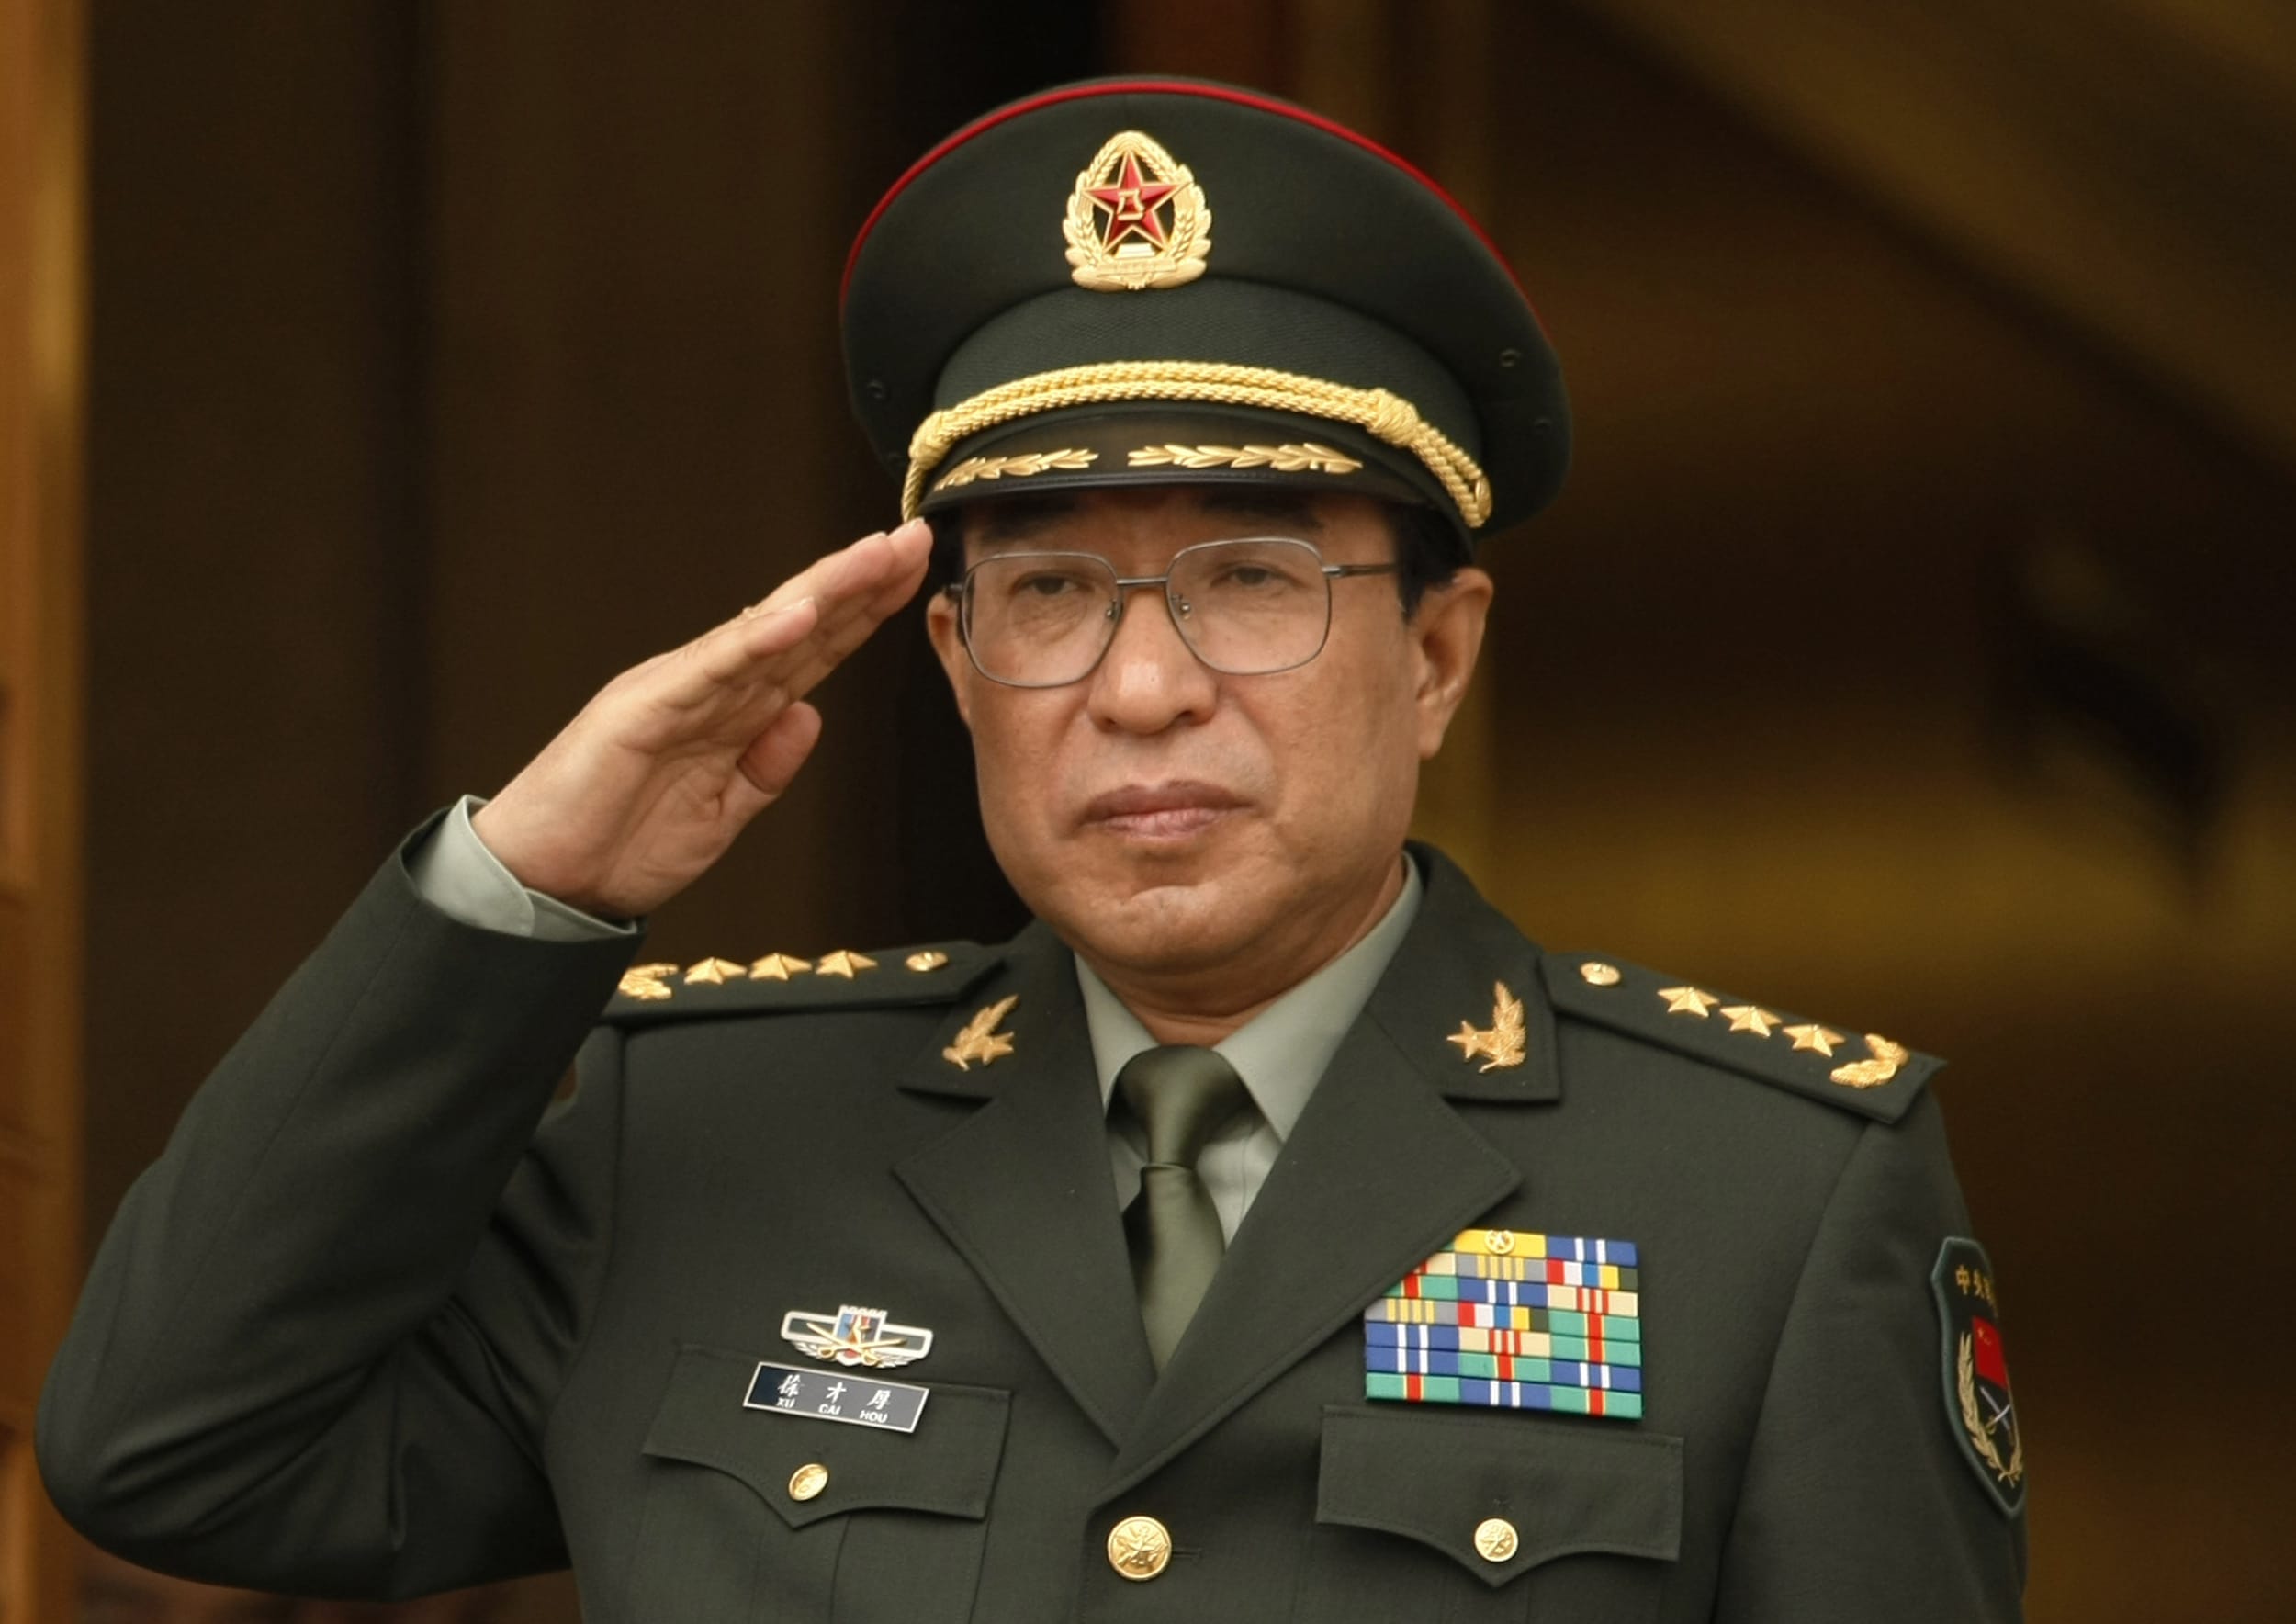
1905	650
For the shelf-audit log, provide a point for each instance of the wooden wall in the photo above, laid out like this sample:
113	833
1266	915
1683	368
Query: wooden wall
41	200
447	358
447	361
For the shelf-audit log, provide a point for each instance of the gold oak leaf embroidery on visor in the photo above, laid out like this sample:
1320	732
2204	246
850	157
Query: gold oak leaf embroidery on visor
1307	458
1018	466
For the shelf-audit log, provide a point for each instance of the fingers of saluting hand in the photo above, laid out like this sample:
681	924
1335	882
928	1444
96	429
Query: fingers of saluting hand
873	580
782	646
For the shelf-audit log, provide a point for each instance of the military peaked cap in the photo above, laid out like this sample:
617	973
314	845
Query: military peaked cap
1129	281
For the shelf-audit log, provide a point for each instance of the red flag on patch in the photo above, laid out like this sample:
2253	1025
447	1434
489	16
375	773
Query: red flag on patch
1992	1363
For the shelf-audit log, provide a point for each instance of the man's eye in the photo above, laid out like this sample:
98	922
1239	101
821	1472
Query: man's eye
1250	578
1047	584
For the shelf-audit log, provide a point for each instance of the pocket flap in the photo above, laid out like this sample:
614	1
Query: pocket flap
947	1466
1435	1478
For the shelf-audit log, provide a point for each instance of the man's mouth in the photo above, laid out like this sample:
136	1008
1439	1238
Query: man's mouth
1160	811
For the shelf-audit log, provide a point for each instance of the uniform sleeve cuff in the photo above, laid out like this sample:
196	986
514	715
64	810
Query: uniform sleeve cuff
455	873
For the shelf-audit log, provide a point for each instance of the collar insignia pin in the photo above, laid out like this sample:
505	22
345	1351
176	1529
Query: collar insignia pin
856	1336
1501	1042
980	1041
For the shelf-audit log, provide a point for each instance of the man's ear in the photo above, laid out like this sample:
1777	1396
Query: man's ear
940	625
1447	632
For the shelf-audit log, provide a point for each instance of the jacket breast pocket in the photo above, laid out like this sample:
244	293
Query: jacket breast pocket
1409	1503
755	1514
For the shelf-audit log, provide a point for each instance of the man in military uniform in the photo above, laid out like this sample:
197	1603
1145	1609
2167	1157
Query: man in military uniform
1270	1230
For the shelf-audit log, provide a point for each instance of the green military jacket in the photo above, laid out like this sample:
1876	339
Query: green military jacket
365	1329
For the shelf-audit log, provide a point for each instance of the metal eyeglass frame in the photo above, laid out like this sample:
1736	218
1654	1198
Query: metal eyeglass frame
1174	607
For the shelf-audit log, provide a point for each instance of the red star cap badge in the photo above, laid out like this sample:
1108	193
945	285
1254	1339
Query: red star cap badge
1135	219
1131	205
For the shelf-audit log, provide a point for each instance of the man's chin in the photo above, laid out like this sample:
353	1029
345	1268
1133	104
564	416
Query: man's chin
1165	926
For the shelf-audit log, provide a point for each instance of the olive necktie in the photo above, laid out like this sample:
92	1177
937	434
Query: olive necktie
1180	1095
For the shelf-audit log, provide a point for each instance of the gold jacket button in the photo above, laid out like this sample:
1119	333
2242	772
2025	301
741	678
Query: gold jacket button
1494	1538
1139	1547
808	1481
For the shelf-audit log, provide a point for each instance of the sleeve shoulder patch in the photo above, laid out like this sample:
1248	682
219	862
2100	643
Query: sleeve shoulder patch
1860	1072
887	978
1979	1409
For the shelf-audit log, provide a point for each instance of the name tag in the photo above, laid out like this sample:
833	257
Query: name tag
836	1395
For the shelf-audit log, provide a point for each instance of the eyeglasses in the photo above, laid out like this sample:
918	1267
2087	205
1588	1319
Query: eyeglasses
1247	608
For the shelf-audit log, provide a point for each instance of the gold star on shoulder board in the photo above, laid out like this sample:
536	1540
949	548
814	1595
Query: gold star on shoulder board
980	1041
843	963
1502	1043
779	967
714	973
1688	1000
1812	1036
1751	1018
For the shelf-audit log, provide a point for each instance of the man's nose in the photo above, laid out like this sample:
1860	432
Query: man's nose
1150	678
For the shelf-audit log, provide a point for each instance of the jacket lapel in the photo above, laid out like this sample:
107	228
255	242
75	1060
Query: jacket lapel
1022	1189
1379	1172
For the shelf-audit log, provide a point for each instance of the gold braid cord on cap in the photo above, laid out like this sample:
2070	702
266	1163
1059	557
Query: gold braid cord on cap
1388	417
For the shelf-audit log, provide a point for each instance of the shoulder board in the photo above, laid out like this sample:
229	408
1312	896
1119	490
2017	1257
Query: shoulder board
886	978
1860	1072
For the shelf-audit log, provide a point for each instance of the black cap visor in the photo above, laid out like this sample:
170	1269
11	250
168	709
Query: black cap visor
1157	444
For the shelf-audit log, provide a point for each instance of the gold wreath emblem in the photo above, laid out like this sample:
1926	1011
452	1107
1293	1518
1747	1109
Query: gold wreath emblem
1135	219
2008	1470
1872	1074
647	982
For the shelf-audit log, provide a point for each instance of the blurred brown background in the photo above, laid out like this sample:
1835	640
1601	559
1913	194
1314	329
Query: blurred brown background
1909	646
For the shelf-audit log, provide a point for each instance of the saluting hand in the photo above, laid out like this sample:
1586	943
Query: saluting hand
649	785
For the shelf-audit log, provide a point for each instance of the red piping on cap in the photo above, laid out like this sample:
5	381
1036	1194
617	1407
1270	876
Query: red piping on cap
1156	87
